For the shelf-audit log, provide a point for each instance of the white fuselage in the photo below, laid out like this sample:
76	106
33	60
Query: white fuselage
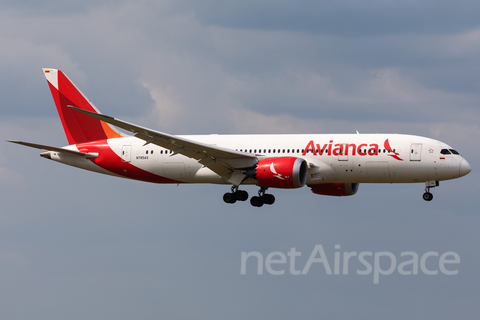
344	158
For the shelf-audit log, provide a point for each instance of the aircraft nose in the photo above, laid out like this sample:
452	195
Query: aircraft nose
464	167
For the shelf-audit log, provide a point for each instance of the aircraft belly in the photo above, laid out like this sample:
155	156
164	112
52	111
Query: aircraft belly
187	170
387	171
80	162
378	171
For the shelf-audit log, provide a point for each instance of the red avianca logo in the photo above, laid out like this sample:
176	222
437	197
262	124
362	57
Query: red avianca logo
345	149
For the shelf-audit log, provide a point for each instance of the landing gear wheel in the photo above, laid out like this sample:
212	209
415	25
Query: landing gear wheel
229	197
241	195
256	201
268	198
427	196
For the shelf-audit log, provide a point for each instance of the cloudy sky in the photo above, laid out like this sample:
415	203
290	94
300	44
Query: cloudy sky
78	245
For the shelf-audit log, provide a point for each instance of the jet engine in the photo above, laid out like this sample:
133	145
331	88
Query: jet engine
281	172
335	189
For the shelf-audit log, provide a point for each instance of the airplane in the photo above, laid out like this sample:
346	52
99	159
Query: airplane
330	164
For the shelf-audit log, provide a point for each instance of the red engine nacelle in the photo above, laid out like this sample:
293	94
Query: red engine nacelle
281	172
335	189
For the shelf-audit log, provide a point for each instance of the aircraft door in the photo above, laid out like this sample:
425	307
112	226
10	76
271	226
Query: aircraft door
416	152
126	153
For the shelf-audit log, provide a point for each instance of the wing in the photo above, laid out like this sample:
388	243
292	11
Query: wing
222	161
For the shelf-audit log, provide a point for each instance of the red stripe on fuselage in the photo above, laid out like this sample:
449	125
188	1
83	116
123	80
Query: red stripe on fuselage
110	161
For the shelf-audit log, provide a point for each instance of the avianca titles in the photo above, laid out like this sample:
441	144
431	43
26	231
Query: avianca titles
330	164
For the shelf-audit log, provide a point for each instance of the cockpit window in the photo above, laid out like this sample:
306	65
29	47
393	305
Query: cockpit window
445	151
453	151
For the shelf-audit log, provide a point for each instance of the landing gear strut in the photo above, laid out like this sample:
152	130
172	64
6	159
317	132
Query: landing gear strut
235	195
262	198
428	196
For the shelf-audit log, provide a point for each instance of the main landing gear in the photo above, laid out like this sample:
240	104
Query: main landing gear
262	198
428	196
235	195
241	195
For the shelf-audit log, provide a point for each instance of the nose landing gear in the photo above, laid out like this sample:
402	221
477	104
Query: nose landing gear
428	196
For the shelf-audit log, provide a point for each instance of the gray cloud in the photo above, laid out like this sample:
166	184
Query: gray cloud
124	55
347	18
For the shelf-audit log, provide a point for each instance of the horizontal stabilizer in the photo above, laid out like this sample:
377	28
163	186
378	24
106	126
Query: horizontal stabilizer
56	149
